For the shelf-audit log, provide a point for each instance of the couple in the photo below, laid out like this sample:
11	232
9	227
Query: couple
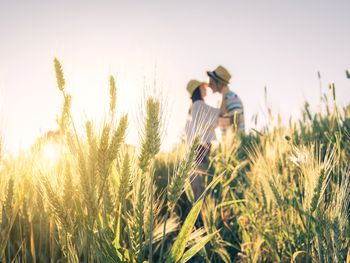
203	119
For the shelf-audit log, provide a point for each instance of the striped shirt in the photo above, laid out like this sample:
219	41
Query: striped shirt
233	107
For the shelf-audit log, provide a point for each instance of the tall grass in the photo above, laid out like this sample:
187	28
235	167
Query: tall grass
298	191
97	201
277	195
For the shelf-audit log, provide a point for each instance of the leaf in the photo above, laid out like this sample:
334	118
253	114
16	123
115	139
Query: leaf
223	254
116	241
228	203
257	249
348	74
198	246
32	243
296	254
212	184
181	241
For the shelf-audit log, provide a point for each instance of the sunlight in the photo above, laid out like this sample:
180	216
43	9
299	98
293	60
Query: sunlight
50	152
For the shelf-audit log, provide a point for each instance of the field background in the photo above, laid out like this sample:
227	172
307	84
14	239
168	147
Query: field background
278	194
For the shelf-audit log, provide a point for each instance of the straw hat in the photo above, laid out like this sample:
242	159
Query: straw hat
220	74
193	84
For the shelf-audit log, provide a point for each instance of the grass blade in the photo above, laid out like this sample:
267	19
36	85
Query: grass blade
181	241
197	247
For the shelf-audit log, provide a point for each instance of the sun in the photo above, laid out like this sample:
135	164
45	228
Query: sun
50	152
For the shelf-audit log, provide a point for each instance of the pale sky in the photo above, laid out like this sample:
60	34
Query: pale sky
280	44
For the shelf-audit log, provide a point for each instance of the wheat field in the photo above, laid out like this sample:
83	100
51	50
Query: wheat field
281	194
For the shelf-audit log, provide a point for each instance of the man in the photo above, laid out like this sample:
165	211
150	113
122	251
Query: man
231	110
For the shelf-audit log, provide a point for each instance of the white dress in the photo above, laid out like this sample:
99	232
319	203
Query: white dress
202	122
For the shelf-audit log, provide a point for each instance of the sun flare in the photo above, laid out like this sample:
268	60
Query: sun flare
50	152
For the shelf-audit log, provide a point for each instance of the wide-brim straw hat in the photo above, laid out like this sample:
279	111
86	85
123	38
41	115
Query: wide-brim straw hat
193	84
220	74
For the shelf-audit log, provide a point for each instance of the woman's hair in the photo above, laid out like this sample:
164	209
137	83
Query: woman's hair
196	95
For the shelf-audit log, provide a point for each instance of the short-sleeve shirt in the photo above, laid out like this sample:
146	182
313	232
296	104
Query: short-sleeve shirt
234	108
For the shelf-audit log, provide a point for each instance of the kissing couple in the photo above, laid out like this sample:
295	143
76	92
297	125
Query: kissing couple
203	119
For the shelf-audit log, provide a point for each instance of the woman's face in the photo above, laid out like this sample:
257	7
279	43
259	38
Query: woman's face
203	90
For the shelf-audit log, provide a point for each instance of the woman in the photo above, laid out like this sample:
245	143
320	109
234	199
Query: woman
202	121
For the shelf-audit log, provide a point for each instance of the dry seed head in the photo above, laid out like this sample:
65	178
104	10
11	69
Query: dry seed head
104	141
182	173
347	74
118	138
103	161
112	94
59	75
69	188
90	133
151	137
9	196
332	88
56	204
124	179
108	197
137	216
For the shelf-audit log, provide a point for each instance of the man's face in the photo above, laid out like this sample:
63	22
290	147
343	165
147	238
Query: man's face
213	85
